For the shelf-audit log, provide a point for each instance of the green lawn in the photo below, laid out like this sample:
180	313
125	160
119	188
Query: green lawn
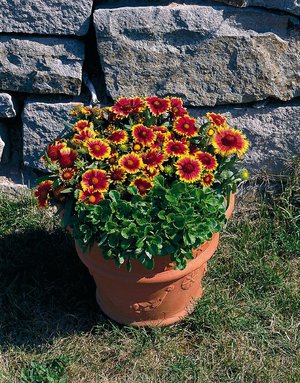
244	329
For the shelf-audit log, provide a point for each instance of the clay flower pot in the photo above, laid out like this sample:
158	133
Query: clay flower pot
150	297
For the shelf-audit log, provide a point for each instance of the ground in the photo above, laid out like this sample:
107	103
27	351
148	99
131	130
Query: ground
245	329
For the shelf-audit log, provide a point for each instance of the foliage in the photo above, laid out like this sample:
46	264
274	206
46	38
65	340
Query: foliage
53	371
143	178
168	221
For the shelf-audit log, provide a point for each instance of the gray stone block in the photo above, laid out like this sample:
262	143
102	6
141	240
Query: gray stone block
273	132
43	122
56	17
41	64
207	55
7	106
291	6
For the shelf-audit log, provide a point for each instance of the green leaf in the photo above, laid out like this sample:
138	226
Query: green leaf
133	190
179	222
177	189
124	233
171	198
65	191
114	195
162	214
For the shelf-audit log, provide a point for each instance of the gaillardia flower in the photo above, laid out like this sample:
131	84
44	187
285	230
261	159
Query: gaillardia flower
217	119
87	110
54	149
131	162
137	146
117	175
158	105
119	136
97	148
208	161
230	141
153	158
95	179
207	179
143	185
67	174
189	169
124	106
176	107
175	148
185	126
84	134
42	193
143	134
150	172
113	159
90	196
160	139
82	124
67	157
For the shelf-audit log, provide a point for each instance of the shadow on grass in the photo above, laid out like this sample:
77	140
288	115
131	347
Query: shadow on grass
45	291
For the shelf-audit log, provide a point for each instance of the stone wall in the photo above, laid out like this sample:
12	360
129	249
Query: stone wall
238	57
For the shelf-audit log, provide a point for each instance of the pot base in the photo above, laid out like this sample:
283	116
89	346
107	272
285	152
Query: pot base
161	322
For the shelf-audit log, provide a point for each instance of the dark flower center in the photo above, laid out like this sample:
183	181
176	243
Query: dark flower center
228	140
188	168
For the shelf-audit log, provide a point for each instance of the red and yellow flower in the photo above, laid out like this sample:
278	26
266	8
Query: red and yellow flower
119	136
87	110
117	175
186	126
95	179
143	134
113	159
143	184
90	196
153	158
67	157
189	169
176	107
150	172
207	179
83	135
42	193
97	148
158	105
160	139
208	161
124	106
175	148
82	124
229	141
131	162
137	147
54	149
217	119
67	174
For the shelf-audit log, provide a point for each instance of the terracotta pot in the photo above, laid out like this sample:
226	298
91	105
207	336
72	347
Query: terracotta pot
150	297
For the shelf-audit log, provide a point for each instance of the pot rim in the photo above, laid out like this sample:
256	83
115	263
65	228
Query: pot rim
109	269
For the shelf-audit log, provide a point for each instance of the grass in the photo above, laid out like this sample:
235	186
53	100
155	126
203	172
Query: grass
245	329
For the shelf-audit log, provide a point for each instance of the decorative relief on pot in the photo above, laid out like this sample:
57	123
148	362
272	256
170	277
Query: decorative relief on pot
189	280
153	303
